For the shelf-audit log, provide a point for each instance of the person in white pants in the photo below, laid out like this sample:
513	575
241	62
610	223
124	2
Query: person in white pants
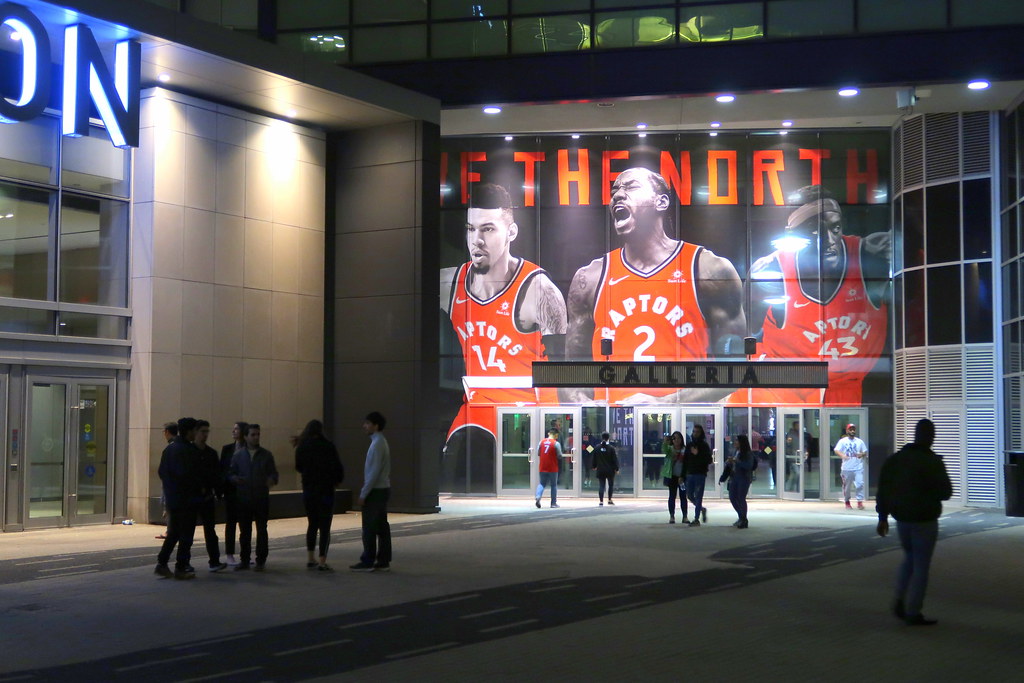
852	451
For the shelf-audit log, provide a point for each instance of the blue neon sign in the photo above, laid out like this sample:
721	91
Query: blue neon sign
87	80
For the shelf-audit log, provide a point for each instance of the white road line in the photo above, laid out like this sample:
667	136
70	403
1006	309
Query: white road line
973	521
644	583
214	641
158	662
606	597
74	566
725	587
60	576
372	621
131	557
456	599
222	674
25	564
630	605
422	650
487	613
562	579
307	648
514	624
562	587
826	547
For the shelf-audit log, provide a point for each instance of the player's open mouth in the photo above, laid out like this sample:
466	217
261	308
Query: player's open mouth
621	213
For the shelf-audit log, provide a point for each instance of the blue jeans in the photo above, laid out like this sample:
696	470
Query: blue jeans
548	479
695	492
918	541
738	488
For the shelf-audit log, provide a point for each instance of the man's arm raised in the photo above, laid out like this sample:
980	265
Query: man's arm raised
544	308
580	328
720	297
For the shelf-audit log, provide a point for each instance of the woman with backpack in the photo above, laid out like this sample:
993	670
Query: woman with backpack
317	460
741	465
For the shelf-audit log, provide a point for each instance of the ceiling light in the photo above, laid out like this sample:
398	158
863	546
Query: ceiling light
508	138
291	113
787	124
575	136
978	84
713	133
643	135
725	99
492	110
164	77
641	126
716	124
848	92
783	132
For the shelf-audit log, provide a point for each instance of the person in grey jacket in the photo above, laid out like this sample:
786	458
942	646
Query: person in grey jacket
253	472
373	498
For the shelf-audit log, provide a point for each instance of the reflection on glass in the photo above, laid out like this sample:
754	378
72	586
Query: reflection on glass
714	23
304	13
792	451
594	424
390	43
551	34
565	425
28	151
93	443
762	442
45	454
25	219
621	430
93	251
708	422
633	29
836	430
654	427
515	451
812	455
468	39
95	326
91	163
26	320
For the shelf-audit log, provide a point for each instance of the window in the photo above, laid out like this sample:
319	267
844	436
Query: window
809	18
297	14
28	150
469	39
551	34
900	15
632	29
377	12
712	23
390	43
26	219
977	218
944	305
93	251
458	9
978	299
943	210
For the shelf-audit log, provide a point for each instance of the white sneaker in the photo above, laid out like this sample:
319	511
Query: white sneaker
230	559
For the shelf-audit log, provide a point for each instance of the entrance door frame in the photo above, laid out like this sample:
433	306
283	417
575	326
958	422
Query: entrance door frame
830	488
827	459
72	458
678	417
570	482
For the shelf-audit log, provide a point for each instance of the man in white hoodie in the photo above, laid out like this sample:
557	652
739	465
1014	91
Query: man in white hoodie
373	498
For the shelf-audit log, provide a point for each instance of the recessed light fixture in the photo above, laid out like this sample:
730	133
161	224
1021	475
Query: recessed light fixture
641	126
725	98
783	132
575	136
787	124
848	92
643	135
978	84
713	133
291	113
716	124
508	138
492	110
164	77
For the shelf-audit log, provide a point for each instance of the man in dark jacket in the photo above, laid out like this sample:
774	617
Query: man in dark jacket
697	462
182	483
911	487
606	464
229	491
209	467
253	472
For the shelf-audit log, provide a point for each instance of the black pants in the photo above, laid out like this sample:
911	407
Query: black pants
208	518
230	521
676	488
319	515
249	512
181	530
602	480
376	530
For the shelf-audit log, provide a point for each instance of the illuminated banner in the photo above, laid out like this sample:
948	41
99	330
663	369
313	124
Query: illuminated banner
86	79
722	374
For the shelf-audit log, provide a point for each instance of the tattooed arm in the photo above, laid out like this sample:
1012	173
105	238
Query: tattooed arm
543	308
580	332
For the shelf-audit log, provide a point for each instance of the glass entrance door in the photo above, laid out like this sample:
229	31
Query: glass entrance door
791	453
566	421
516	441
655	425
68	447
711	420
837	420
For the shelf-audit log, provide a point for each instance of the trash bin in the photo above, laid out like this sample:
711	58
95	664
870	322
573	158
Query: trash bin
1013	476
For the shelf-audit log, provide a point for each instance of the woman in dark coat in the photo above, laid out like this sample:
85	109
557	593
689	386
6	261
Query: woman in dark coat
317	460
742	465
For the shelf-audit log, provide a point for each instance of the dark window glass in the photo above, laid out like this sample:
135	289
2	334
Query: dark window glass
328	44
978	303
897	231
468	39
26	320
809	17
1011	348
1009	233
942	203
714	23
535	6
1019	153
944	305
900	15
89	325
1011	293
377	12
1012	403
390	43
28	150
898	312
977	218
913	283
465	9
93	251
551	34
913	229
644	28
26	218
986	12
293	14
1008	161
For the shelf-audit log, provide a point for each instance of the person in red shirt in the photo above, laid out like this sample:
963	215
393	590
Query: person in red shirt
822	296
550	453
657	298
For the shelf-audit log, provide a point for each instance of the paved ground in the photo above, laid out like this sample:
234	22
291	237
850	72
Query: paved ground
496	589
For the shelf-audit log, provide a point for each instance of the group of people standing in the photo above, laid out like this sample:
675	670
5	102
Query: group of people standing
194	478
685	472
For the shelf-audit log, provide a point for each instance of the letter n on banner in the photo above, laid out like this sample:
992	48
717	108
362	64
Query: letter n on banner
715	195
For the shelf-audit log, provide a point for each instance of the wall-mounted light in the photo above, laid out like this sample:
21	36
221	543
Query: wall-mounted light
716	124
508	138
725	98
641	126
164	77
849	91
492	110
787	124
575	136
978	84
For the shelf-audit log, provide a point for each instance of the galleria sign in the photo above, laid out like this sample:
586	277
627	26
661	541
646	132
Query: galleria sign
688	374
86	79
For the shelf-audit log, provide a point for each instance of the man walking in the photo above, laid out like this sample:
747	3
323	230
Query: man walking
697	462
606	464
253	472
912	485
550	453
210	473
182	484
852	451
373	498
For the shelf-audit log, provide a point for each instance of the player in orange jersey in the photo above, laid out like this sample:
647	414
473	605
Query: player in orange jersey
657	298
822	296
506	313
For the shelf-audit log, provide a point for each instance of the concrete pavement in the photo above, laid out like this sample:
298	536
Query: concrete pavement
494	588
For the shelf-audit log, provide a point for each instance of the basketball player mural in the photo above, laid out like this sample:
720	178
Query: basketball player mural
506	313
823	298
656	297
